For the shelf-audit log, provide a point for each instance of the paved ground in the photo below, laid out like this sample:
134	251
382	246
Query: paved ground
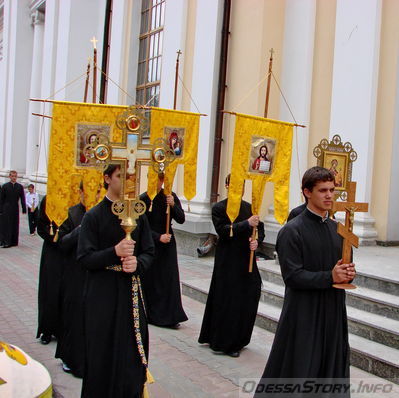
182	368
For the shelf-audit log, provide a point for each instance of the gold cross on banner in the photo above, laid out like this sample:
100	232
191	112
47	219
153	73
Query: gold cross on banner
346	231
130	153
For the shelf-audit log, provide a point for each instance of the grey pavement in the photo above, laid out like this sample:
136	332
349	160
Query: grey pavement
181	367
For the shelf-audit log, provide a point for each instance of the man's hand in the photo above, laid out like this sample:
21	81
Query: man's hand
170	200
253	220
253	244
125	248
343	273
165	238
129	264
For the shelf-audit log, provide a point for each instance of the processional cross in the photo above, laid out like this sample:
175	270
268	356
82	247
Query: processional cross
346	231
129	153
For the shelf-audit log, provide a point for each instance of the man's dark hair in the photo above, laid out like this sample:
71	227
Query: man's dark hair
227	180
31	186
314	175
111	168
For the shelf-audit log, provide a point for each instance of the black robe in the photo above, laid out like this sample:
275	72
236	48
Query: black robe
311	340
50	275
296	211
70	347
1	222
162	283
10	194
234	293
113	366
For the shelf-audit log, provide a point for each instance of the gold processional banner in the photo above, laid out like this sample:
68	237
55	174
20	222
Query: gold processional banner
75	127
261	153
180	130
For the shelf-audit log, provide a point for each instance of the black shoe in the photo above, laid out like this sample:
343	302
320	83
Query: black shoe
5	246
234	354
45	339
66	368
175	326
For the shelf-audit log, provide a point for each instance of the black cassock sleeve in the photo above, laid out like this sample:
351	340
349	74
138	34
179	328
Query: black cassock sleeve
89	253
177	211
43	224
292	268
261	232
2	193
146	249
68	235
22	197
222	224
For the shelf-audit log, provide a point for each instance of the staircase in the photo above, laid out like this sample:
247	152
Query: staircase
372	308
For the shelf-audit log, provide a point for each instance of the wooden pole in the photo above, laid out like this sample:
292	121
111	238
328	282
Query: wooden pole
94	41
95	76
269	76
174	107
87	81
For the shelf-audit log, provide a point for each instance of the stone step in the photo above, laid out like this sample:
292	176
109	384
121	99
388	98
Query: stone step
371	356
363	323
269	270
362	298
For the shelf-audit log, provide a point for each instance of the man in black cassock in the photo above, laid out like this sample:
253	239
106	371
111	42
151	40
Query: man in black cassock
70	346
311	340
1	223
234	293
296	211
161	284
10	194
50	275
116	331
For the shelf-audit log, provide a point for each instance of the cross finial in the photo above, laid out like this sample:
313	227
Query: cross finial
94	41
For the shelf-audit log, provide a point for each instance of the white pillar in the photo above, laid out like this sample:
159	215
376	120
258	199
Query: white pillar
39	177
17	48
34	122
118	53
393	195
209	16
296	85
174	39
354	94
78	22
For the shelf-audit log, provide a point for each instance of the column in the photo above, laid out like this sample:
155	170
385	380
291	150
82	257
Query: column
118	56
205	77
34	122
354	94
17	53
174	39
296	85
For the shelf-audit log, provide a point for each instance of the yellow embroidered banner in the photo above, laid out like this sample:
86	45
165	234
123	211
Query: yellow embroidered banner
75	127
261	153
180	130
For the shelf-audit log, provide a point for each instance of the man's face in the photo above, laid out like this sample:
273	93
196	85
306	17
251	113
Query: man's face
321	198
13	177
114	182
30	189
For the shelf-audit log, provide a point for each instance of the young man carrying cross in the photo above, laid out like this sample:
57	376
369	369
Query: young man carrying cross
115	325
311	340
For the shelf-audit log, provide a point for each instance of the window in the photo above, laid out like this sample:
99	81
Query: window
150	52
